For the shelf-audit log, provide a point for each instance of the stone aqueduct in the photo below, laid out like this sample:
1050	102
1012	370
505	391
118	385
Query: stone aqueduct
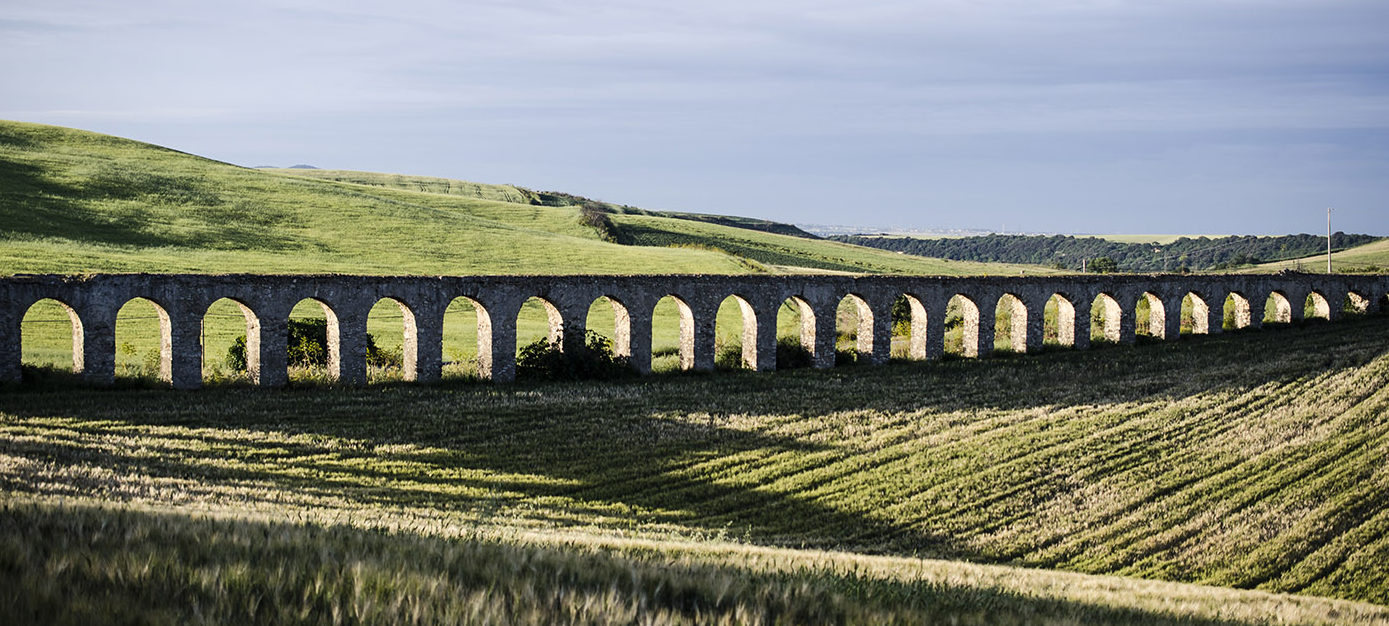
93	301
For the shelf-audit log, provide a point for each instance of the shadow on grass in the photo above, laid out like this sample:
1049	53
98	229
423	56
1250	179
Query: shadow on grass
110	202
122	565
651	452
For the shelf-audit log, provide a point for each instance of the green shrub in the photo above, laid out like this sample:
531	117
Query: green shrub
1103	265
728	356
544	359
791	354
595	216
308	347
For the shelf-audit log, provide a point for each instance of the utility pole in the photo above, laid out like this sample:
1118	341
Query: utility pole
1328	240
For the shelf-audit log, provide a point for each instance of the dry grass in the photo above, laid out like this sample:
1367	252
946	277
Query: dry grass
1248	460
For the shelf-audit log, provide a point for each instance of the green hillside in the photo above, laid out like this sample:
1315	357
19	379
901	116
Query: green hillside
1371	257
75	201
425	184
805	496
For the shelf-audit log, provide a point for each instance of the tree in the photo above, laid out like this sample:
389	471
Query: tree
1103	265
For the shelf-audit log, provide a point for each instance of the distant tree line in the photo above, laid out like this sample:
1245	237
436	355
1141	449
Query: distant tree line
1067	252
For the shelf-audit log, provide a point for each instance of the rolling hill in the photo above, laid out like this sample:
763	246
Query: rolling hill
1371	257
75	201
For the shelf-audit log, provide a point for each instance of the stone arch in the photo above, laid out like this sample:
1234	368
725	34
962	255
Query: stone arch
383	323
963	314
614	316
302	357
1059	321
1196	314
736	349
1316	305
680	344
1010	320
467	339
913	324
539	319
144	349
1355	303
854	312
795	333
41	323
1277	308
1106	318
1150	316
1237	311
223	322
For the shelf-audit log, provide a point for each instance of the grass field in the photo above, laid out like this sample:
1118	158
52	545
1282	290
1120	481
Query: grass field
74	201
1247	460
1371	257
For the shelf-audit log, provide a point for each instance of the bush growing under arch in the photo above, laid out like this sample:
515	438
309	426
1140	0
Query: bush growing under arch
308	347
546	359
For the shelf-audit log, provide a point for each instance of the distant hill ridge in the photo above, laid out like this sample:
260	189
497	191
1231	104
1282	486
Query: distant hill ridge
1065	251
516	193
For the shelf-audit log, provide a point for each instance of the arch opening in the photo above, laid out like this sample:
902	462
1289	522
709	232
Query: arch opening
1237	313
1196	315
608	318
795	325
143	341
467	337
1059	322
1010	325
1316	306
51	336
1105	319
1277	309
230	338
853	324
539	321
672	335
961	327
735	334
1149	316
392	342
908	328
1355	304
313	352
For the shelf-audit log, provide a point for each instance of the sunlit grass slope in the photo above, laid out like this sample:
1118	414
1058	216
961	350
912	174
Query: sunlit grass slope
72	201
75	201
1245	460
425	184
1371	257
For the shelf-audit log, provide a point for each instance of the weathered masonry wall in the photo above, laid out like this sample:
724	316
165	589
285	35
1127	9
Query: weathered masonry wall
266	301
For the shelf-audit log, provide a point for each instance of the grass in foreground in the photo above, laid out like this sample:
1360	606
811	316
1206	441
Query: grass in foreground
155	566
1248	460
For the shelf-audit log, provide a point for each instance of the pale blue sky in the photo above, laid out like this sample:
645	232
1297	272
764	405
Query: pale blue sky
1180	116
